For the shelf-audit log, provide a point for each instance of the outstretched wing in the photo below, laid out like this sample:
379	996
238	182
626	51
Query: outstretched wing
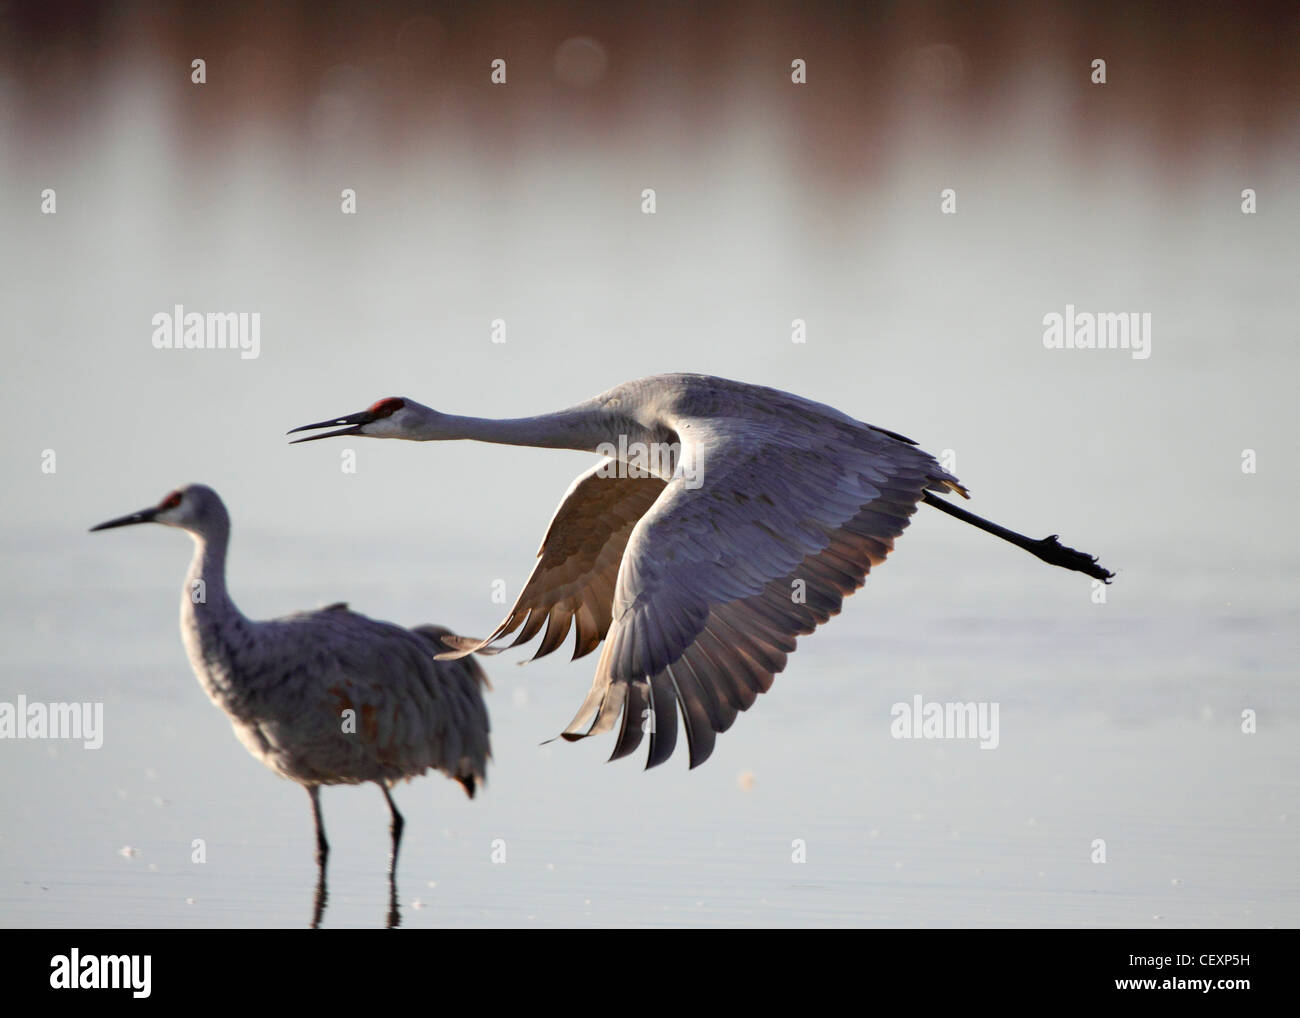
718	580
572	584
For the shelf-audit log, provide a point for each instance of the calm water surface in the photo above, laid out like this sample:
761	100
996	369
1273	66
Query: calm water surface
1114	725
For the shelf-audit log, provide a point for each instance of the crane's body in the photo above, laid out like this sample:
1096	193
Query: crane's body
700	568
287	685
324	697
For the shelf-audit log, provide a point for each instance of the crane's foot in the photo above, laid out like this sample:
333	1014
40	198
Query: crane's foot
1052	551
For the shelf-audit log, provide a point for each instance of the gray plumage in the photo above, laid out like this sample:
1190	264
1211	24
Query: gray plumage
288	684
699	590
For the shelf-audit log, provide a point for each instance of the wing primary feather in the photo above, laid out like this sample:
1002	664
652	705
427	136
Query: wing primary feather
699	722
630	732
663	726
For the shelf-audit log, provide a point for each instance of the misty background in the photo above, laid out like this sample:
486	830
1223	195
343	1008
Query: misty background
775	201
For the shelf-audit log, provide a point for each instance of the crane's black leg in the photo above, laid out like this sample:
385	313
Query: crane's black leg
322	846
394	916
395	829
1049	549
322	854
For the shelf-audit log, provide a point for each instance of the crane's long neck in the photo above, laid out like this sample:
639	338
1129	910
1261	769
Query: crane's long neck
215	632
582	427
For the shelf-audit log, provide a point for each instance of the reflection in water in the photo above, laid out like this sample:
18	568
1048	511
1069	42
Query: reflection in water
322	897
394	917
776	200
395	829
263	674
322	894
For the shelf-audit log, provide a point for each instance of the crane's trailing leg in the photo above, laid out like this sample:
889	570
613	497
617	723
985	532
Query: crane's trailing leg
684	569
1049	549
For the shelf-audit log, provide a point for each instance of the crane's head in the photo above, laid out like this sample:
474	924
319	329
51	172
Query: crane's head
195	508
393	417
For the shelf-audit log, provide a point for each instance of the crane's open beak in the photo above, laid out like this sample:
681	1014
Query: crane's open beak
143	516
355	420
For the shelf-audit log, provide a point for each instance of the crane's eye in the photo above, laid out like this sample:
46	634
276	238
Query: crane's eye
171	501
387	407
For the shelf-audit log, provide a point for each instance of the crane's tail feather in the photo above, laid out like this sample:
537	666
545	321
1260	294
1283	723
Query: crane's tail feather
462	646
443	638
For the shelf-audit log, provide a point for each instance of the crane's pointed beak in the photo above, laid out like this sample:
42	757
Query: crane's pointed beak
143	516
355	420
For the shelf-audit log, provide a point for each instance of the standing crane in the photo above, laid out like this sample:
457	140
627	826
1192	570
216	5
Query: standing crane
324	697
684	548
